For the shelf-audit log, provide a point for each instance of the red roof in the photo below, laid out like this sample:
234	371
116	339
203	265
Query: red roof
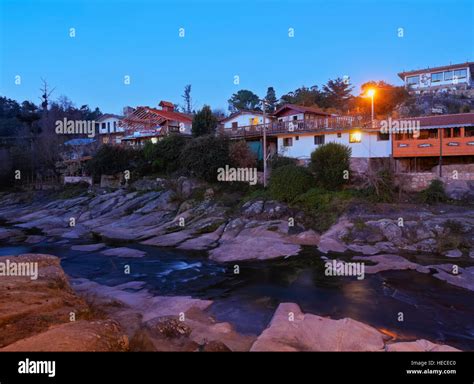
438	121
300	109
168	104
435	69
171	115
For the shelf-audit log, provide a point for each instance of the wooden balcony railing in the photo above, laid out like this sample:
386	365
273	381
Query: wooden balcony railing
299	126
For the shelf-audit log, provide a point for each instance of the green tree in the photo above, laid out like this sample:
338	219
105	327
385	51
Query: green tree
204	122
330	164
338	93
244	100
203	156
271	99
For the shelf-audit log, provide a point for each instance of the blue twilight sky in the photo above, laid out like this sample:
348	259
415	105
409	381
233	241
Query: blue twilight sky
222	39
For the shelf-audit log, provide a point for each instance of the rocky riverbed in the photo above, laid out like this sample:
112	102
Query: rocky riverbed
124	224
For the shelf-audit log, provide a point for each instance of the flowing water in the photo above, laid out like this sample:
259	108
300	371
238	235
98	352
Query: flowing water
431	308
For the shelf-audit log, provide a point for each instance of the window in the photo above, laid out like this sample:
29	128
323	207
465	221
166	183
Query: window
355	137
457	132
297	138
339	134
428	134
288	142
104	126
115	125
108	125
235	124
383	136
448	75
97	126
412	80
318	140
295	117
460	73
469	131
447	132
436	77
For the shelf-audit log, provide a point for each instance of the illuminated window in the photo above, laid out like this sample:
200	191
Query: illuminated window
355	137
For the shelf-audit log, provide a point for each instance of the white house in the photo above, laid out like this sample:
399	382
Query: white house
363	143
243	119
110	128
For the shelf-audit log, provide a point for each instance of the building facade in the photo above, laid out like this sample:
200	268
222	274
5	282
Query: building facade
453	78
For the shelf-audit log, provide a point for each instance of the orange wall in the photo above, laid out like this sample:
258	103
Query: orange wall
413	149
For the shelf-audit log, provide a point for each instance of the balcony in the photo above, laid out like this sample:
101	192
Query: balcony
274	128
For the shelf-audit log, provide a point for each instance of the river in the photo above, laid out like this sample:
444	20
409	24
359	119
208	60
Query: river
431	308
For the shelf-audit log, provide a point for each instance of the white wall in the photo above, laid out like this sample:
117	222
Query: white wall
303	147
244	119
299	116
109	126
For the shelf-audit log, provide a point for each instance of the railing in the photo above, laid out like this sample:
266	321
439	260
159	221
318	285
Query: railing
302	126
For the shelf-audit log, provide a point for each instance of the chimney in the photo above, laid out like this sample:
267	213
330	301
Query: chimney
166	105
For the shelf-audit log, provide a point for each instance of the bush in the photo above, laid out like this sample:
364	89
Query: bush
202	156
164	155
329	162
289	181
322	207
110	160
281	161
380	185
241	156
434	193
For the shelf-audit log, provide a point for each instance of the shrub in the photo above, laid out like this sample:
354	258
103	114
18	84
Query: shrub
434	193
202	156
322	207
110	160
328	163
280	161
289	181
164	155
241	156
380	185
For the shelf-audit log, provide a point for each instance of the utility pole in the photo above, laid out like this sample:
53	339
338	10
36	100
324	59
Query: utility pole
440	130
264	145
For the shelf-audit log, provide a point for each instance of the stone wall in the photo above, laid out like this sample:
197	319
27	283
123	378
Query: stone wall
458	188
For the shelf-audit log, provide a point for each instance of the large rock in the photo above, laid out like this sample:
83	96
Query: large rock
35	314
76	336
124	252
257	243
390	263
292	330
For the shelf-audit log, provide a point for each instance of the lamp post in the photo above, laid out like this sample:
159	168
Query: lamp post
371	94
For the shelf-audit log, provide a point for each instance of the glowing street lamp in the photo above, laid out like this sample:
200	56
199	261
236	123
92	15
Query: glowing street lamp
371	94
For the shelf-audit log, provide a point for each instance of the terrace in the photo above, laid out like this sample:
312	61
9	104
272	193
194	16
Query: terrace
319	124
